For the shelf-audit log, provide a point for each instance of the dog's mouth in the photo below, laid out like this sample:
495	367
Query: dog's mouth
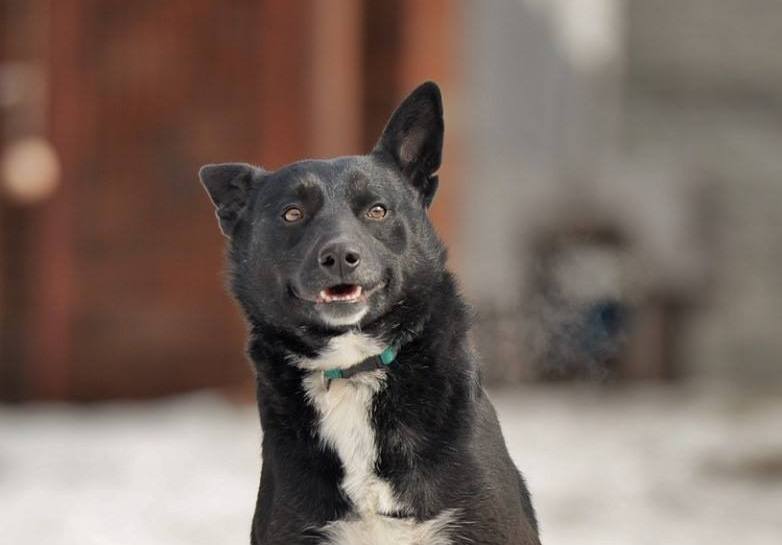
341	293
341	305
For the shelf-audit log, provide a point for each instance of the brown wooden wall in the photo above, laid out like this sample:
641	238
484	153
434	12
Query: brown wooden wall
120	293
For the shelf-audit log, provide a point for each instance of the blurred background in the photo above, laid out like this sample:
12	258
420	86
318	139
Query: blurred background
610	195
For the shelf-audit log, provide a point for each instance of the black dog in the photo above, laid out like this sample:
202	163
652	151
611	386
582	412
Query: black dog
376	430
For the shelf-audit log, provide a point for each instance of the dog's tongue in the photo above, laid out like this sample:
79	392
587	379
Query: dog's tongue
346	293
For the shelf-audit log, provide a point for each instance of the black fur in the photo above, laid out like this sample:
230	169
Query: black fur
438	439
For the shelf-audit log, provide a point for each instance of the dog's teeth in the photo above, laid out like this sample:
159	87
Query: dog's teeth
326	297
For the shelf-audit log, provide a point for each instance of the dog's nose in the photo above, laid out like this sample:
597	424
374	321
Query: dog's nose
339	258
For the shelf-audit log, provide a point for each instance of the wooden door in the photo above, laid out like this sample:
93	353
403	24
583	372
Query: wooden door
125	294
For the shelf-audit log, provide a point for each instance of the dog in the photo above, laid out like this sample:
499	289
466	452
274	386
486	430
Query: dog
376	429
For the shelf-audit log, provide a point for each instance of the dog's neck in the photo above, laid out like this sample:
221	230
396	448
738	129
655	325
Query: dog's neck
283	358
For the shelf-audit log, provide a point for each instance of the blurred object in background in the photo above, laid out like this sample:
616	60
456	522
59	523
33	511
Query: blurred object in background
608	274
579	304
30	169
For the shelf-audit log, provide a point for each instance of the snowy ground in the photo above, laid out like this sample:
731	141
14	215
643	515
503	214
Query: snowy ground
678	466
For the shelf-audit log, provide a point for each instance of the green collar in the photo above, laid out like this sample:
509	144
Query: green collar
379	361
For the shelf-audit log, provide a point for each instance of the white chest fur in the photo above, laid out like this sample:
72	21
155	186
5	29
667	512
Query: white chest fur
345	424
345	413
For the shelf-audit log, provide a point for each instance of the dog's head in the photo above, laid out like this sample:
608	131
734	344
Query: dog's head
335	243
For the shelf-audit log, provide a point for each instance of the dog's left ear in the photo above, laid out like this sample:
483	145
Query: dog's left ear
413	137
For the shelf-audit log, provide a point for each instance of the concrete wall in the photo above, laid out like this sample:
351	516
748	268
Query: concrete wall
670	128
705	85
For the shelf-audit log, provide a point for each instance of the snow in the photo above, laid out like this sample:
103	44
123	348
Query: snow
628	466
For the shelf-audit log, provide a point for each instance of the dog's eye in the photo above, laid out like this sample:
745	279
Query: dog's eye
292	214
377	212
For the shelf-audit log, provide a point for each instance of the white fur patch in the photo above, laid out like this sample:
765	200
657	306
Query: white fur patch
345	409
345	424
344	320
391	531
344	351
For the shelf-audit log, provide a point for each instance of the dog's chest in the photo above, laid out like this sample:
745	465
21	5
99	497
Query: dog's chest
344	410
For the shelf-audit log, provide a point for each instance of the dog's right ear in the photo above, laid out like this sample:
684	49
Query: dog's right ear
228	185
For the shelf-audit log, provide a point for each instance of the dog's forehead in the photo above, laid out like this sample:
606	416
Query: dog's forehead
355	171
